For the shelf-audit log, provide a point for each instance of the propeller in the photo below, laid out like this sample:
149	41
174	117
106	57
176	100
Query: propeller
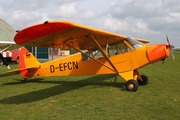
169	47
172	53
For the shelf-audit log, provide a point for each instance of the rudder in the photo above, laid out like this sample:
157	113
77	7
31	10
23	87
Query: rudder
26	60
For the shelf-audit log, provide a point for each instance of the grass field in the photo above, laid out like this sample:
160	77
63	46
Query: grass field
93	97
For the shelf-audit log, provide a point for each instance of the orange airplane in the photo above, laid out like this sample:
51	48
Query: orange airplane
99	52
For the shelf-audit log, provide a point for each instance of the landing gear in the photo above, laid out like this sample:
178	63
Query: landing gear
135	80
132	85
23	81
144	80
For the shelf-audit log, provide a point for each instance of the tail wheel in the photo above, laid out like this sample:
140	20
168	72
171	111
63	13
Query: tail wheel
24	80
144	80
132	85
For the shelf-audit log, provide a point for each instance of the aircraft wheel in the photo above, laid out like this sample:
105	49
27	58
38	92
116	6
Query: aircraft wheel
132	85
145	80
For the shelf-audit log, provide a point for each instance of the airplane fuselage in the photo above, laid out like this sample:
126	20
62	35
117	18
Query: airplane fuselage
74	64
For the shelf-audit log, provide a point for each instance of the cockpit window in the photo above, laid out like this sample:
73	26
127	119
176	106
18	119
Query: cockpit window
121	47
136	44
111	50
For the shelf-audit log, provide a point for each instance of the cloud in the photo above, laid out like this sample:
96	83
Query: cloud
148	19
65	11
144	19
114	25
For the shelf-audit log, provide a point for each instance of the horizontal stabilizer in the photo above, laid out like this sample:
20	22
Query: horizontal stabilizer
17	71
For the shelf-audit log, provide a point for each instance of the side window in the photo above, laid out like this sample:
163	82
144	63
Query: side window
118	48
95	54
136	44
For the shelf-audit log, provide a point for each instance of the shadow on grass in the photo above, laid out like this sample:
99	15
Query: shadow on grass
6	75
62	87
37	80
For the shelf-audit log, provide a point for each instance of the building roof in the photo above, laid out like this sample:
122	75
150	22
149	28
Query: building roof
7	33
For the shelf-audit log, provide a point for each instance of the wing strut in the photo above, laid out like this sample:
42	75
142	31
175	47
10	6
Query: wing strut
89	56
103	53
5	48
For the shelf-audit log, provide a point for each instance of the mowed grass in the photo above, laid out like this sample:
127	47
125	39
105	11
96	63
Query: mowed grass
93	97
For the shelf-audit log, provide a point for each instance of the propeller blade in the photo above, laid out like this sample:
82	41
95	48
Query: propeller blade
167	39
172	53
169	45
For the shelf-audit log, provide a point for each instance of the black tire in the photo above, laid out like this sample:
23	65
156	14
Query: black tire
132	85
145	80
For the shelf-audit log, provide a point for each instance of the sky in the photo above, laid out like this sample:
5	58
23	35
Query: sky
152	20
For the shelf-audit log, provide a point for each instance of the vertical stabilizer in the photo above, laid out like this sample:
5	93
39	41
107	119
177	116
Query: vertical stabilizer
22	64
26	61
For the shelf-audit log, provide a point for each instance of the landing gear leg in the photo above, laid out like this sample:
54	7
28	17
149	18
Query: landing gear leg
141	79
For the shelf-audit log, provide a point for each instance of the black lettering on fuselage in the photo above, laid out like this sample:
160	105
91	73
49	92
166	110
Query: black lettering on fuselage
69	65
52	68
61	67
64	66
75	65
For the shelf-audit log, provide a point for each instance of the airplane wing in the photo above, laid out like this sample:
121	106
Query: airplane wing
5	46
57	34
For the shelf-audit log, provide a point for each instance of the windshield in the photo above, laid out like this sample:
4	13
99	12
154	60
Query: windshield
136	44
